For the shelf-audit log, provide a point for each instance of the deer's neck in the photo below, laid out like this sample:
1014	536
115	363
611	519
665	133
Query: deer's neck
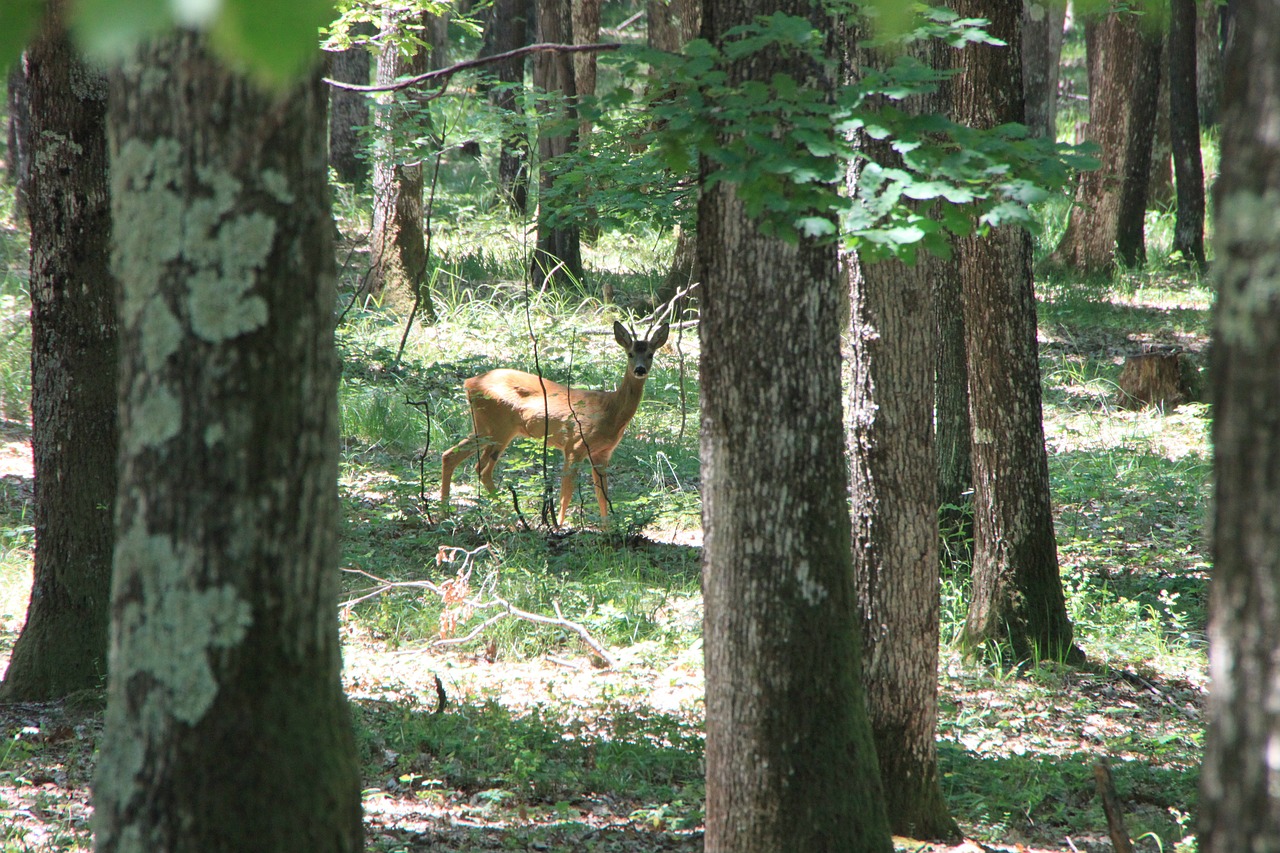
626	400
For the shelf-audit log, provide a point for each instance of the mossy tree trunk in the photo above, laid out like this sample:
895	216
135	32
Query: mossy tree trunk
790	759
63	646
1239	790
226	725
1018	604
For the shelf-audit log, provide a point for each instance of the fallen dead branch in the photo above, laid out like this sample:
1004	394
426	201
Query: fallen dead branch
460	604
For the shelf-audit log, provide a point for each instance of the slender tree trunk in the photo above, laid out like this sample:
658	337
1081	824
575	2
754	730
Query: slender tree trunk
348	111
63	647
951	414
226	726
18	161
1184	124
559	254
1239	781
507	29
397	246
895	535
586	30
790	759
893	469
671	26
1208	61
1018	604
1042	23
1105	224
1144	110
1160	184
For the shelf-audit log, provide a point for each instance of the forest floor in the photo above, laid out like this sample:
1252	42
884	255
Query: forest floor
534	746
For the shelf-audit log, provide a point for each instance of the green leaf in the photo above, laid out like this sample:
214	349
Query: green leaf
108	30
18	21
815	226
277	41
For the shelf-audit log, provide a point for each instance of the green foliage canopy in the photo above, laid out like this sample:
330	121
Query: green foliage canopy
788	147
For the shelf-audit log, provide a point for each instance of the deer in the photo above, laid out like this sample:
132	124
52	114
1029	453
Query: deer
585	424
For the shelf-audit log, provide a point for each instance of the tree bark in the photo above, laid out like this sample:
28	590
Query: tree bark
1042	24
398	249
1106	223
894	475
790	759
507	29
895	535
1184	131
1018	605
1240	781
226	726
558	256
347	112
63	647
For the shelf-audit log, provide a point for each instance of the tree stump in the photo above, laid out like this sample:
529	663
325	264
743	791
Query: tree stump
1153	379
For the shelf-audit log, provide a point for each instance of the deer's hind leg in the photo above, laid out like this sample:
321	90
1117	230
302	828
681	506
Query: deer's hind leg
452	458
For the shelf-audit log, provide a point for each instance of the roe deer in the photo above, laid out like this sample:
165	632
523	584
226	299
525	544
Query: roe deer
584	424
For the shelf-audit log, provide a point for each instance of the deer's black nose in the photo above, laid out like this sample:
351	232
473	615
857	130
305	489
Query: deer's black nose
641	370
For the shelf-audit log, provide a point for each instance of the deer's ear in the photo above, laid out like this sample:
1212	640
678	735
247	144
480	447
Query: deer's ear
659	337
622	336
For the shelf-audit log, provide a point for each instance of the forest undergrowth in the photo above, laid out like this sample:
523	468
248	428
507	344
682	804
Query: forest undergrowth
480	728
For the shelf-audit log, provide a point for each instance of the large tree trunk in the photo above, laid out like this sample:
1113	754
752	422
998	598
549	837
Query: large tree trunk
1018	604
893	469
226	727
790	759
397	246
1042	23
1184	130
559	254
63	646
1106	223
1239	782
507	29
348	111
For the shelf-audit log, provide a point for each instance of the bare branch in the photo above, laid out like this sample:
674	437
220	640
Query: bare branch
445	74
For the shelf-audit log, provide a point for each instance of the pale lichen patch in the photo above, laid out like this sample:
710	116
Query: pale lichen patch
221	308
277	185
810	589
160	334
155	419
1248	264
168	633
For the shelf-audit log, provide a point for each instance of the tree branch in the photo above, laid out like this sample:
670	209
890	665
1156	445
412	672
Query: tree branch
445	74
